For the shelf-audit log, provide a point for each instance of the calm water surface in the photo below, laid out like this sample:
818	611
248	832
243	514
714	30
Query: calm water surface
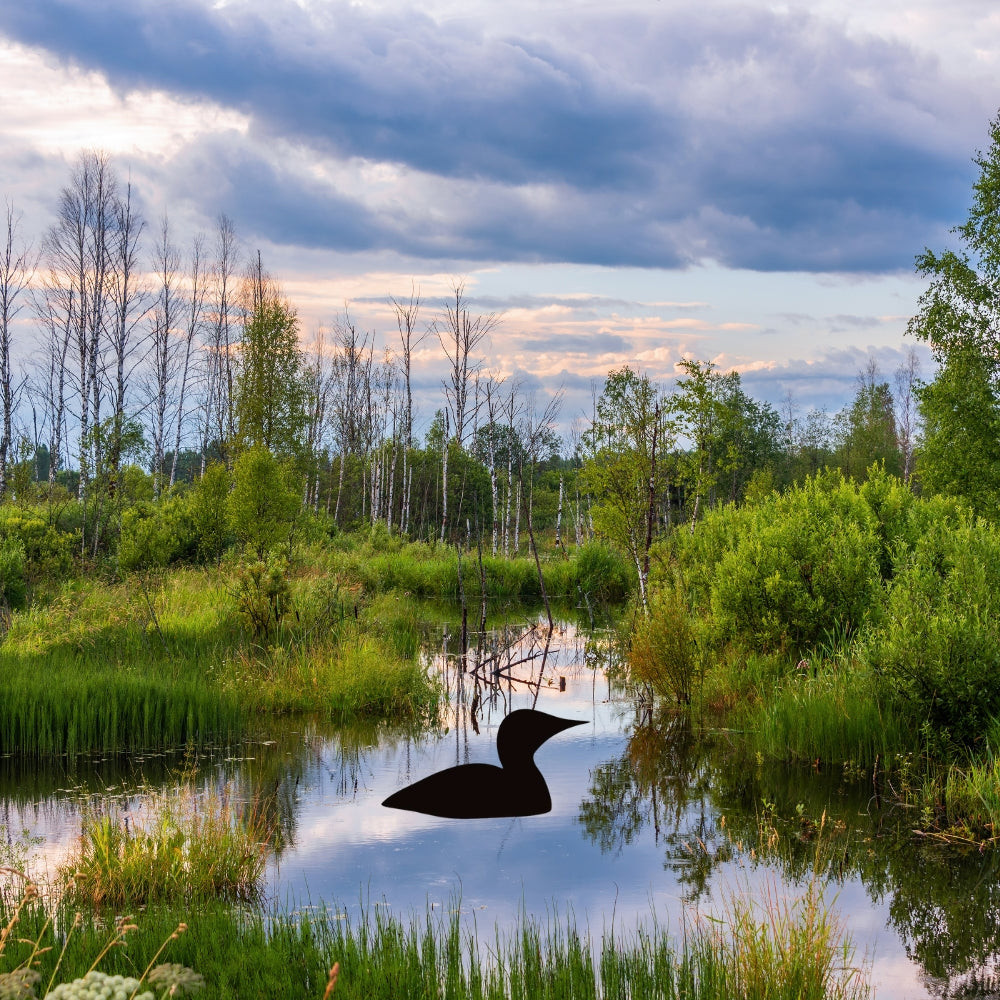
647	821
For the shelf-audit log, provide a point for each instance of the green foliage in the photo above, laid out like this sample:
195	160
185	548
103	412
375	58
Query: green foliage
156	534
781	574
263	595
270	394
264	501
960	451
959	316
209	511
937	648
663	652
867	430
13	588
601	572
48	553
629	425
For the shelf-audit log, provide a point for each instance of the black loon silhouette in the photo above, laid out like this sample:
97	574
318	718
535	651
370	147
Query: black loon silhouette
480	791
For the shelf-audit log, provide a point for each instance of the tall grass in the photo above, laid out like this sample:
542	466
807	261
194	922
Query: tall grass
162	660
182	845
776	948
432	571
833	717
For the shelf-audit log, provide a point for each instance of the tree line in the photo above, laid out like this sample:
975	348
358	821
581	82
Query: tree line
152	363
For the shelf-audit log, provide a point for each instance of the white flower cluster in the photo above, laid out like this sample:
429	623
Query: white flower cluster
99	986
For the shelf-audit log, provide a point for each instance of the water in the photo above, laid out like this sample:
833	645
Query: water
647	822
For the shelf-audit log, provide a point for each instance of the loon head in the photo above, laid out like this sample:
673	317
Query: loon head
523	731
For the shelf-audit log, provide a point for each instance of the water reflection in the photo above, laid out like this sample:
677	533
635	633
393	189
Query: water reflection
707	806
648	812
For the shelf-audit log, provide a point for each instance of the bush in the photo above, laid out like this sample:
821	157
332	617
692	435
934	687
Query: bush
602	572
263	596
156	534
789	571
664	653
47	552
937	649
264	501
13	588
208	511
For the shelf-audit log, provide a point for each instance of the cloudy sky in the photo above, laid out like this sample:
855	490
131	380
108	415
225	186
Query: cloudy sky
626	182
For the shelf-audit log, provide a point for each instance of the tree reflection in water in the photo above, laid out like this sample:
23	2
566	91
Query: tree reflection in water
708	802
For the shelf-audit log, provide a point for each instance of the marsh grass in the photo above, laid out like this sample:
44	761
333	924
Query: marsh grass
162	660
178	845
772	948
833	717
431	571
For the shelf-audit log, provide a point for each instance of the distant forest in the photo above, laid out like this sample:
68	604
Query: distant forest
151	364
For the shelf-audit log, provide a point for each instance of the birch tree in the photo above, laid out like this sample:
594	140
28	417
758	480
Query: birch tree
17	268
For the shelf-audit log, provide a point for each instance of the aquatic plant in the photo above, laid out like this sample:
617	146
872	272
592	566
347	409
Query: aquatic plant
183	844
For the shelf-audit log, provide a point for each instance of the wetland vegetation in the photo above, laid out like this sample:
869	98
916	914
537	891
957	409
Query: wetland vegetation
800	600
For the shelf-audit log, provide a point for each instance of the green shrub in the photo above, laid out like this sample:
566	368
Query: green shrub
263	595
264	501
663	653
937	649
209	512
805	565
48	553
13	588
156	534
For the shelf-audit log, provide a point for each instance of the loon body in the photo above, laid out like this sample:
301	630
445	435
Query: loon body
479	791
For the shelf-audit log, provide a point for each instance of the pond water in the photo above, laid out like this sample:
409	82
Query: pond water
648	821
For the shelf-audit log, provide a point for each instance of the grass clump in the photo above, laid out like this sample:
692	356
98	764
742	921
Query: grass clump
776	948
182	845
773	947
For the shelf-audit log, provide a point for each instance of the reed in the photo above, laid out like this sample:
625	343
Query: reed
772	948
833	717
181	845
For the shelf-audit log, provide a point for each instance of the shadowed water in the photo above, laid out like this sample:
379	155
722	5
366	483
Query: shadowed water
648	820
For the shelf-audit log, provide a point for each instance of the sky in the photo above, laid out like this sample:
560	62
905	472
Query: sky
625	183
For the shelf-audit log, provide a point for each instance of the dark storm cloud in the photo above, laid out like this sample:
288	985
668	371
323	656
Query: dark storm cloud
756	139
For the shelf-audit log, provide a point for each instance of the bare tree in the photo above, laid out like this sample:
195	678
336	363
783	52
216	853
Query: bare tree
194	312
320	378
128	304
461	335
352	396
907	377
17	268
491	389
165	317
55	308
537	427
78	247
217	418
406	321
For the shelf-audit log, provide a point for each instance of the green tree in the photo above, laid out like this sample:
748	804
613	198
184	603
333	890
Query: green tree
959	315
623	469
271	394
960	451
264	501
867	429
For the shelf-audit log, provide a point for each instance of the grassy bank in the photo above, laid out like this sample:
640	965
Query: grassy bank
793	949
166	658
